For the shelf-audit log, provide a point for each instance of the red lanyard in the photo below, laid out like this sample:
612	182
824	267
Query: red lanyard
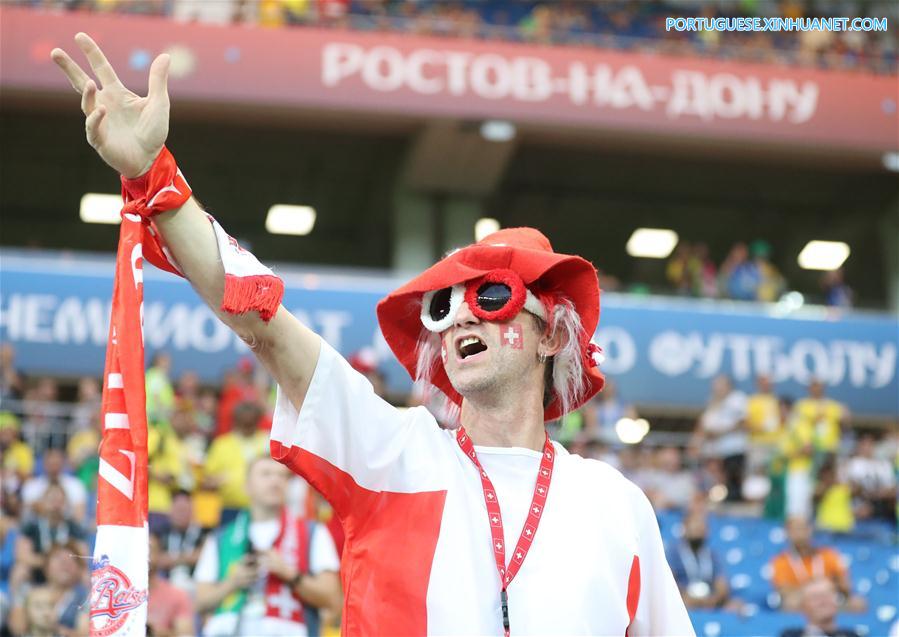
538	502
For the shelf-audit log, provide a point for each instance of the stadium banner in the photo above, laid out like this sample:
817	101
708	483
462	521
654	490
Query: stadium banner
662	352
427	77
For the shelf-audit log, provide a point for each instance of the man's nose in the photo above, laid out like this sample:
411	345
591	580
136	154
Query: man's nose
465	316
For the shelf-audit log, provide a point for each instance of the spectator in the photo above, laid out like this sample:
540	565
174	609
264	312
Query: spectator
83	452
827	418
833	500
703	276
180	542
720	433
267	572
43	423
66	575
797	448
770	282
17	458
669	485
873	482
763	422
836	292
365	361
49	526
802	562
737	275
169	469
11	384
39	612
238	387
169	610
819	605
188	389
677	270
160	393
603	413
229	456
87	406
54	473
696	568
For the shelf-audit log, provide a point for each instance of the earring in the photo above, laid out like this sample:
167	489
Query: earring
541	358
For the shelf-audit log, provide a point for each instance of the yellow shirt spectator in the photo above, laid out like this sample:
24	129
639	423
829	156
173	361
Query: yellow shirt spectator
16	457
824	416
763	419
228	459
169	468
797	445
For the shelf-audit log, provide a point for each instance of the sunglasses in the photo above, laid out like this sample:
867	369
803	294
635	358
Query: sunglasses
497	296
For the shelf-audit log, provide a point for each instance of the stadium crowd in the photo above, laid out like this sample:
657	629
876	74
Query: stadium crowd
605	23
796	465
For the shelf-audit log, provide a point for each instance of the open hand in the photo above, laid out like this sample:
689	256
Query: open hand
126	130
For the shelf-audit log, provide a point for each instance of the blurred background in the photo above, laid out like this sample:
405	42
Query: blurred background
737	192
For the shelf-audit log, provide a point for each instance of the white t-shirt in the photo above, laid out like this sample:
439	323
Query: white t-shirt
724	420
418	558
322	557
33	490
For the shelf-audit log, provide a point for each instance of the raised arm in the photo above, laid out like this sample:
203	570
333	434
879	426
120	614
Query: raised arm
128	132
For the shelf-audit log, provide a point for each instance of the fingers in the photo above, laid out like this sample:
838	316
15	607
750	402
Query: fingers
92	125
97	60
89	97
159	78
76	76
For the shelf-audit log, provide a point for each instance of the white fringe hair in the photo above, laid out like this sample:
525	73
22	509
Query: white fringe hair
567	365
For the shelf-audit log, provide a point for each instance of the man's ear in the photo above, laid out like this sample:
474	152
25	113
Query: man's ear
550	343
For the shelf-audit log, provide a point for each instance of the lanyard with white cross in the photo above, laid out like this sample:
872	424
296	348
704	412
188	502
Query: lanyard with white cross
495	518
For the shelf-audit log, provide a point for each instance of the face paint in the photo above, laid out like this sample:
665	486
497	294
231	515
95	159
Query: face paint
512	335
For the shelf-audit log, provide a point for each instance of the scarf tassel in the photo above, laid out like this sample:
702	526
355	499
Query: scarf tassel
261	292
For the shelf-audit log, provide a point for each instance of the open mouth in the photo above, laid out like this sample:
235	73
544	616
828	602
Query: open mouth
469	346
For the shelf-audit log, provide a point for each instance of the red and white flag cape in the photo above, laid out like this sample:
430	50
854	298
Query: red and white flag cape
119	570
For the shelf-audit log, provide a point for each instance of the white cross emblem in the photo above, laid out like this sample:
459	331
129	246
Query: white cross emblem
519	555
511	336
499	546
540	490
494	519
545	472
489	496
527	532
284	602
536	510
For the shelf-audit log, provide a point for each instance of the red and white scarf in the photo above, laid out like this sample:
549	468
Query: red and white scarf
119	572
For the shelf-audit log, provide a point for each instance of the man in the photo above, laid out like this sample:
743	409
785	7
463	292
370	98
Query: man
229	456
502	329
873	481
40	613
267	572
65	576
819	605
170	611
720	433
825	416
802	562
697	569
668	485
180	541
49	526
763	420
54	473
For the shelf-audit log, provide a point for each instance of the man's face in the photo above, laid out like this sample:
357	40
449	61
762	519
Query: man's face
816	389
40	609
181	512
53	462
799	532
482	356
819	601
764	385
267	483
62	568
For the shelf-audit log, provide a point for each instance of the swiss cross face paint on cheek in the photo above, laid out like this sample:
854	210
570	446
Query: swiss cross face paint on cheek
511	335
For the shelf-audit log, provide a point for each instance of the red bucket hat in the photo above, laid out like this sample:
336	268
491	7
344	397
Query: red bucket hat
528	253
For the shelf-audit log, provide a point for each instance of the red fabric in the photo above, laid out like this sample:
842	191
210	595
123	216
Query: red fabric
124	448
633	591
523	250
163	188
298	555
168	604
233	394
390	543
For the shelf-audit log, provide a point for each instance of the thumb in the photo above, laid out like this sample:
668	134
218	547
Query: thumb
159	78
